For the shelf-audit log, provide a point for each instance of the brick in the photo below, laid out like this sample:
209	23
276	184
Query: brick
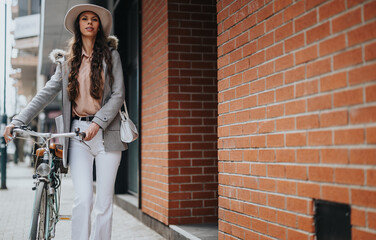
296	139
363	115
293	234
257	30
284	93
318	33
296	172
280	4
283	32
306	88
295	42
250	75
305	21
306	54
370	51
313	3
362	34
268	185
358	234
362	74
363	156
330	9
276	201
347	20
320	174
284	62
266	155
332	45
306	224
286	219
295	74
265	69
335	194
285	155
350	176
274	51
361	197
295	107
265	41
349	136
311	190
335	156
274	81
265	98
266	126
320	138
286	187
307	156
276	231
358	217
334	81
275	140
369	10
318	67
352	3
372	219
348	58
259	226
257	59
249	48
336	118
276	170
370	135
307	122
265	12
285	124
296	205
294	10
319	103
258	197
349	97
274	21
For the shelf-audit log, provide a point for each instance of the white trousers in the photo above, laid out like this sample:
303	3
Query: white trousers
81	159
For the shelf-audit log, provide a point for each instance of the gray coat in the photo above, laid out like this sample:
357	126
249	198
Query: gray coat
107	117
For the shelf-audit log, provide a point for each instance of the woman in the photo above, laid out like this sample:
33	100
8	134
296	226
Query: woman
91	79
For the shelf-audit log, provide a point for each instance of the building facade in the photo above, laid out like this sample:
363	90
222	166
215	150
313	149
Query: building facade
297	119
259	115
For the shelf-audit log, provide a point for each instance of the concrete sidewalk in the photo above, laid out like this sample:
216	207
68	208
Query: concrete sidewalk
16	205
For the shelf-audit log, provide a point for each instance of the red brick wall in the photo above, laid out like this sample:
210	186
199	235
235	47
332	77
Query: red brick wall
193	171
154	110
297	115
179	111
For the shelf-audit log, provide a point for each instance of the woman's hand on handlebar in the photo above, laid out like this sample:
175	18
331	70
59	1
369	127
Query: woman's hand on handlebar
7	134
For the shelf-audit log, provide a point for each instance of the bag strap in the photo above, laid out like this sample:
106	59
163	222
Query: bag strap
125	113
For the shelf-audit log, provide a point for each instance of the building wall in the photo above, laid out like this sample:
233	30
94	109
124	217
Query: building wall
179	111
297	115
154	109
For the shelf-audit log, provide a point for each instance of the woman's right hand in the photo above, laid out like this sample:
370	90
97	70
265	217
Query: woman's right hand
7	133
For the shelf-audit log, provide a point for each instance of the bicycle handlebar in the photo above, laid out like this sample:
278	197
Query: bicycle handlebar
26	131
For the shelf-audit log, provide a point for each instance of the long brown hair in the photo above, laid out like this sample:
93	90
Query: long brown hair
101	50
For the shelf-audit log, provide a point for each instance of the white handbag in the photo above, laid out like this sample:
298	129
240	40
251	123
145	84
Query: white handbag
128	131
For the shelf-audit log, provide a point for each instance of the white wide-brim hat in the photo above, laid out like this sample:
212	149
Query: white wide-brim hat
104	15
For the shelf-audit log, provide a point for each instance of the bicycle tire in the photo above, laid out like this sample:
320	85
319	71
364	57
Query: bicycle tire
37	230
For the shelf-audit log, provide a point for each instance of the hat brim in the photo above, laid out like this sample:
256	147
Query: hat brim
104	15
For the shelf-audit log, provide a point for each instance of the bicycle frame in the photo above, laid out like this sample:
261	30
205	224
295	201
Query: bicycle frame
47	183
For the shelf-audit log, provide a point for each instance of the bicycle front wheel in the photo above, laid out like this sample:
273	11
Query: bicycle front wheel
39	213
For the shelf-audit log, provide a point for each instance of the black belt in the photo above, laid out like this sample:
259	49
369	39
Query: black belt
87	118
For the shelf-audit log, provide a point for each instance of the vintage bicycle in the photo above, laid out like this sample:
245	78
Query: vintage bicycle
49	167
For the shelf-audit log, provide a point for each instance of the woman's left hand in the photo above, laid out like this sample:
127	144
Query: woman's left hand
91	131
